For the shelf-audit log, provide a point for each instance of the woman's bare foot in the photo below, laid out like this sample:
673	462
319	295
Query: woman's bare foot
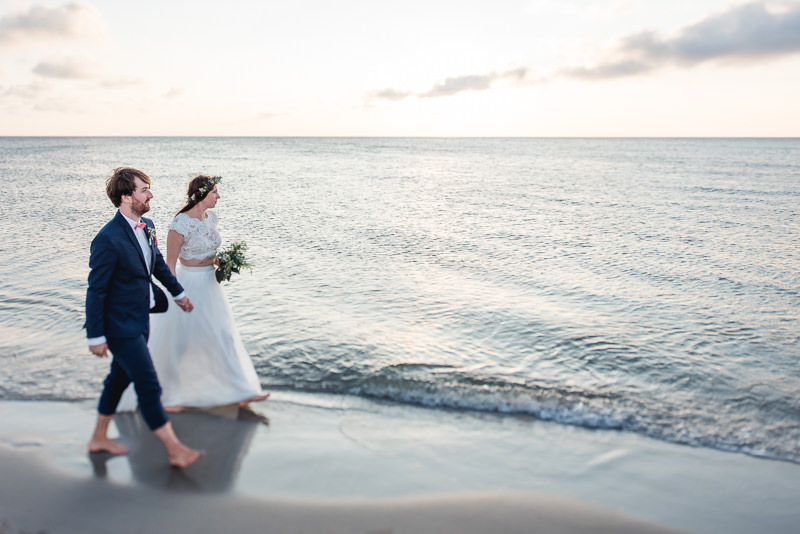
257	398
107	445
174	409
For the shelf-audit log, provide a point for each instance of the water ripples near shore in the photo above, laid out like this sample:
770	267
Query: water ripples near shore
645	285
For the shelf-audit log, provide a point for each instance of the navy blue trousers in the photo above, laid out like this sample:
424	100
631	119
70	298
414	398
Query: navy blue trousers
131	362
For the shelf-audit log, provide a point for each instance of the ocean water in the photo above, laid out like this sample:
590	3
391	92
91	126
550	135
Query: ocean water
645	285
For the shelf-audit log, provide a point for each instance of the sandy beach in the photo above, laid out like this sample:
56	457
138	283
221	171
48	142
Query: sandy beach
316	463
42	500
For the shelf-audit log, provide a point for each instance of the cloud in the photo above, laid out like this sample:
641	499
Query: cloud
452	86
390	94
81	68
472	82
76	21
751	32
748	32
614	69
121	82
174	92
69	68
39	95
31	91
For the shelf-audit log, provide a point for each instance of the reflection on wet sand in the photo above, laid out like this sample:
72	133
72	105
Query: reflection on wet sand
224	435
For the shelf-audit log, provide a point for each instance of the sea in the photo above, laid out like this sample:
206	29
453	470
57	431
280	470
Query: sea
644	285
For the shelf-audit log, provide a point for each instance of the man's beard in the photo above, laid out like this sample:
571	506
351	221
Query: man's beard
139	208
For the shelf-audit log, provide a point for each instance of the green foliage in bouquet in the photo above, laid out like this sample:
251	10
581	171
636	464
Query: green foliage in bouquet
232	260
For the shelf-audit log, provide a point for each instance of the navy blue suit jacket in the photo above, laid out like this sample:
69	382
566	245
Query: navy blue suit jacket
118	297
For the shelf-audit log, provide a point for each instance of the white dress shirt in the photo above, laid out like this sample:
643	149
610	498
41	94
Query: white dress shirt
146	252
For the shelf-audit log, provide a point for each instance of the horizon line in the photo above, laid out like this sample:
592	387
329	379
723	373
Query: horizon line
403	136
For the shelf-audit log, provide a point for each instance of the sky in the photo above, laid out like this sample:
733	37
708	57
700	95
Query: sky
537	68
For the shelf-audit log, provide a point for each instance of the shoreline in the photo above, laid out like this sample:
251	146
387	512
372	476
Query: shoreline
322	463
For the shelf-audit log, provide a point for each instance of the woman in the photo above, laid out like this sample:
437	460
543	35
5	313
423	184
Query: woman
199	357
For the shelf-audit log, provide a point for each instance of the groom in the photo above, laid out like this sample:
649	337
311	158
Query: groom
119	299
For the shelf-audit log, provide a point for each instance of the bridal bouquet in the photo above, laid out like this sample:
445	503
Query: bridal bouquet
231	260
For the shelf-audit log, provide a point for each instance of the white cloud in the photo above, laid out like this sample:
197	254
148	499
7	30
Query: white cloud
39	96
30	91
454	85
749	32
121	82
69	68
390	94
174	92
451	86
76	21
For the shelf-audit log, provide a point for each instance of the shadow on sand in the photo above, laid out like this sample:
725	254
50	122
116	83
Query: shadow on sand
224	434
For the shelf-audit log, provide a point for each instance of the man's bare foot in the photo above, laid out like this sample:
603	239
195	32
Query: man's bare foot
183	456
107	445
179	454
174	409
257	398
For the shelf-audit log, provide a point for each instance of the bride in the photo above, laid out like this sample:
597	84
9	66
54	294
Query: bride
199	357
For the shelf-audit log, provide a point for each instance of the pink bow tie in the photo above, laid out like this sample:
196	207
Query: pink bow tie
140	225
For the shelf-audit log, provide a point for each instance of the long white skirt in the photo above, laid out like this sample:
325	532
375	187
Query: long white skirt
199	357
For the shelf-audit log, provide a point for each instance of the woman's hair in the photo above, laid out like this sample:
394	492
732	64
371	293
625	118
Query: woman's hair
199	188
123	182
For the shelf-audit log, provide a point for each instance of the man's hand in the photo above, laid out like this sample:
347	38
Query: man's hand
185	304
101	350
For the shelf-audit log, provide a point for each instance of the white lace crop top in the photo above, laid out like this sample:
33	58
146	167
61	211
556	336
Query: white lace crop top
200	237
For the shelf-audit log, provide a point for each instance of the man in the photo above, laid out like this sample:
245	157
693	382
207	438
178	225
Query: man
121	294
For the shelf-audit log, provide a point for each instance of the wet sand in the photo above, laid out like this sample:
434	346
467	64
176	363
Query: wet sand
315	463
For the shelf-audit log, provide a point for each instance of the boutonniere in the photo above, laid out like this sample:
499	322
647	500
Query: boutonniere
151	235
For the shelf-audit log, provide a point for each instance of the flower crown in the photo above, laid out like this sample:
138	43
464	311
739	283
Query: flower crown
206	188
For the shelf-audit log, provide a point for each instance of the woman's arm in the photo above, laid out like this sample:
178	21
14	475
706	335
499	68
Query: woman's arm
174	244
